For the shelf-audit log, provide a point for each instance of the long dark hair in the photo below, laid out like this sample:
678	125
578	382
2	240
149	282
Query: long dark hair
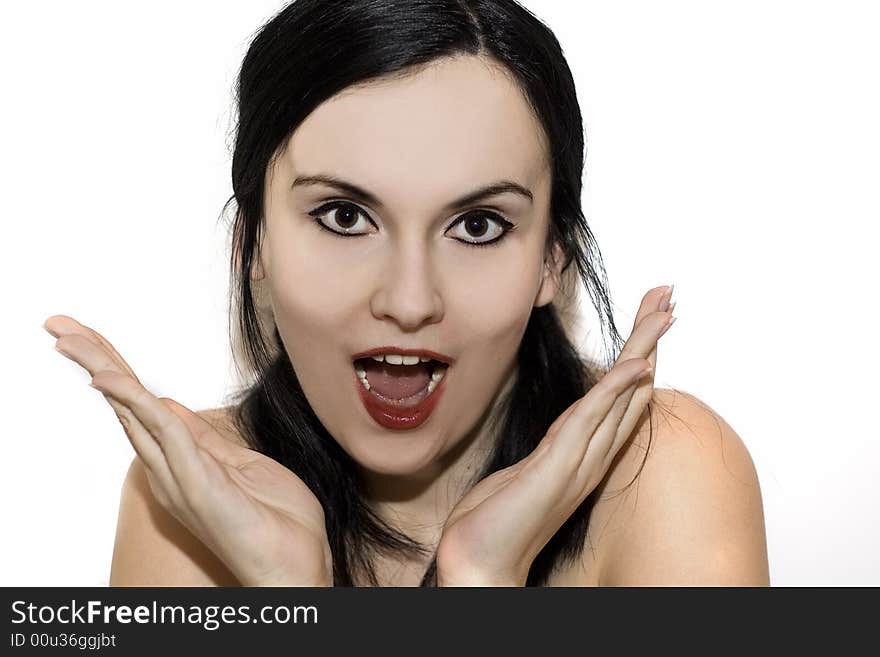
304	55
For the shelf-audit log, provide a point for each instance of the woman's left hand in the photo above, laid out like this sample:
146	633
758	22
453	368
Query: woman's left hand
497	529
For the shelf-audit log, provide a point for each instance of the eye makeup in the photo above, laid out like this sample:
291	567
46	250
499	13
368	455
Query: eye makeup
503	225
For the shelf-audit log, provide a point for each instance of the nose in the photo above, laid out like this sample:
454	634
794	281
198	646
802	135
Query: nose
408	292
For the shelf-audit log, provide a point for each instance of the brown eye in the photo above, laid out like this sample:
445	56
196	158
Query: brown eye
346	216
476	226
481	228
342	218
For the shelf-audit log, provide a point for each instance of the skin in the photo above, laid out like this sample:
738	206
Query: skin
409	282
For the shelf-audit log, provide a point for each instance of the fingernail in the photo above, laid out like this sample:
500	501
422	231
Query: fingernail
644	372
54	334
664	304
63	353
666	328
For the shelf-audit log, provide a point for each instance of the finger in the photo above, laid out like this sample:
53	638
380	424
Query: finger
642	344
616	401
145	446
651	325
664	306
566	451
560	421
160	423
554	428
61	325
655	299
556	463
608	437
645	337
208	438
89	355
652	357
87	348
620	420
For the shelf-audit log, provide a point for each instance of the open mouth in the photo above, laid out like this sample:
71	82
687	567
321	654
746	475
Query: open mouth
400	381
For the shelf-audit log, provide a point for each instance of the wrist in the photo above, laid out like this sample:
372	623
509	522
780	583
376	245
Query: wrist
292	582
470	576
316	575
289	579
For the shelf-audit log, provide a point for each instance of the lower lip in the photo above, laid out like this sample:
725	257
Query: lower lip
396	417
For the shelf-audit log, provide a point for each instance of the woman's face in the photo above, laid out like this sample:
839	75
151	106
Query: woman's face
406	272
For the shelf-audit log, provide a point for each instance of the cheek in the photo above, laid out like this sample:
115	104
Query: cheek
310	313
311	286
491	313
496	298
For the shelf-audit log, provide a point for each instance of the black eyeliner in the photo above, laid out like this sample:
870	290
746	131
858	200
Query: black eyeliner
324	208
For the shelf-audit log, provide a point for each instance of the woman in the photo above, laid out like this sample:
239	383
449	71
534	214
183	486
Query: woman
408	210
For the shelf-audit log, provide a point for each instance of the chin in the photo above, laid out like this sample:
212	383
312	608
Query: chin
397	455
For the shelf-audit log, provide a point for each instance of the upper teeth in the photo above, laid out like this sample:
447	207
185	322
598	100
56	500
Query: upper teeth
397	359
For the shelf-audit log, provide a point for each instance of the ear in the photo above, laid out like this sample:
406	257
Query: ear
550	277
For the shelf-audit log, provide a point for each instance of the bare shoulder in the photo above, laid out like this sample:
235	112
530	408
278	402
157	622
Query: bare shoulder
152	547
222	420
681	504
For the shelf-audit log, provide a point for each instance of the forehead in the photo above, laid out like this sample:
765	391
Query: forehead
454	123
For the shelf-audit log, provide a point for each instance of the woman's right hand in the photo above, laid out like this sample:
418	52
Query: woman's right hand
256	515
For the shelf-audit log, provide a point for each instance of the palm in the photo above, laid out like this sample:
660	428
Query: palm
255	513
257	516
494	513
498	528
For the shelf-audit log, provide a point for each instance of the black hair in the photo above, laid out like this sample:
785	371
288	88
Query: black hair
307	53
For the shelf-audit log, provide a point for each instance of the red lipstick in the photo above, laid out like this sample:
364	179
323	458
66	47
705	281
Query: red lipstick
392	415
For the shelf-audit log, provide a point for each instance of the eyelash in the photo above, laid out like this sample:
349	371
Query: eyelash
507	226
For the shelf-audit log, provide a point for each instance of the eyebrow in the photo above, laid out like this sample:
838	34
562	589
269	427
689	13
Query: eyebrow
361	194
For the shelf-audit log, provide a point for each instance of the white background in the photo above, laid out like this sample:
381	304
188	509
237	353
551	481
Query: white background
733	149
